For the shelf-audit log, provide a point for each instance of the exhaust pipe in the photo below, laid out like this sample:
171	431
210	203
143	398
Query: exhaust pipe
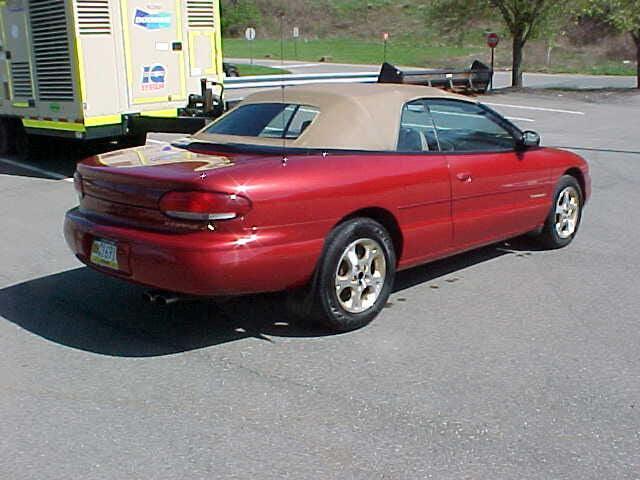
162	298
166	298
150	296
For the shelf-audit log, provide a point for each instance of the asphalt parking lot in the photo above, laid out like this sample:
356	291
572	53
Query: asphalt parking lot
504	363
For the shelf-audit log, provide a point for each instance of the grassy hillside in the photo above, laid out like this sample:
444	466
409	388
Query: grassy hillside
347	50
350	31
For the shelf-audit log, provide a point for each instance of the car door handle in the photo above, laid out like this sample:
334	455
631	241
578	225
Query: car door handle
464	177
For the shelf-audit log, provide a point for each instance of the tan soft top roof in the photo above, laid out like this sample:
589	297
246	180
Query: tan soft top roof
352	116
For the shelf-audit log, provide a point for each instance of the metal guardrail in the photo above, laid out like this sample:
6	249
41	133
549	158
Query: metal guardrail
470	80
267	81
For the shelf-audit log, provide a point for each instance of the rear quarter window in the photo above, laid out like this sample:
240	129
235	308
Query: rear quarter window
266	120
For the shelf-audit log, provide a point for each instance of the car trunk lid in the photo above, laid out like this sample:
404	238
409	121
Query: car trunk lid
126	186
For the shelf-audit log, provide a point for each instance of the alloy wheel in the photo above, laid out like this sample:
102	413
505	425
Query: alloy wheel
361	275
567	212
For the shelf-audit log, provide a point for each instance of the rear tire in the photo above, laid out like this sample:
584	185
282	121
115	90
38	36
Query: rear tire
24	143
355	275
134	140
7	136
564	218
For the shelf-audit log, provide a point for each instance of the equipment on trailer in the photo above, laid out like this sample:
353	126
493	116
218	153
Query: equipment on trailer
472	80
107	69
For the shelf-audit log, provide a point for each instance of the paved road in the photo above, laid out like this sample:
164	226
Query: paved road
507	362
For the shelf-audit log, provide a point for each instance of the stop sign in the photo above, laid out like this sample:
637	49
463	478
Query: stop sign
492	40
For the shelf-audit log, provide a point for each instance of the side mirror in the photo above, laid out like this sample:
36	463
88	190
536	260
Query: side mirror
529	139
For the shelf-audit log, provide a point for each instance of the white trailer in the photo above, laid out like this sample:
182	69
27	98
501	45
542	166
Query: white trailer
89	69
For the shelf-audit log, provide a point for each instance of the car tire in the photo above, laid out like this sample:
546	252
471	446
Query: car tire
355	275
563	221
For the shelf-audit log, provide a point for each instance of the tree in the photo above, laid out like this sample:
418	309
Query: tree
524	19
238	15
624	16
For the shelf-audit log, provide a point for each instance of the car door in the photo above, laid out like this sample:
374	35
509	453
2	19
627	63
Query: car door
424	208
497	190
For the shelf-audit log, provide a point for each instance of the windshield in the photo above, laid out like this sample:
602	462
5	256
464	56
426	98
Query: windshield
267	120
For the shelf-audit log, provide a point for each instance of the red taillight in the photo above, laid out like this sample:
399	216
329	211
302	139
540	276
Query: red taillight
204	205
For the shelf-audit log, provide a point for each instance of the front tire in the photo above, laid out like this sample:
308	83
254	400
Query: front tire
355	276
564	218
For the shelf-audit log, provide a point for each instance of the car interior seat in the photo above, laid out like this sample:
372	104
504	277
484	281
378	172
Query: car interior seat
412	140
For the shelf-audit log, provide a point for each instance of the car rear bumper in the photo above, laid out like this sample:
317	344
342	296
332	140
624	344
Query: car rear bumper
200	263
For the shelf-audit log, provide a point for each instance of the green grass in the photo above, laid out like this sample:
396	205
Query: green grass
608	68
246	69
344	50
406	52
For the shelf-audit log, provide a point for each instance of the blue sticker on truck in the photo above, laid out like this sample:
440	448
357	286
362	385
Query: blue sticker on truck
152	21
153	77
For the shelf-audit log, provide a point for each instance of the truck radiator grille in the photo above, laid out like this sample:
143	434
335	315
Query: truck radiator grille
93	17
200	14
21	80
51	50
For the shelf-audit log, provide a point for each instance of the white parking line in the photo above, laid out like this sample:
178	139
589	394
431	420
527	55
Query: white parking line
520	119
304	65
542	109
151	140
33	168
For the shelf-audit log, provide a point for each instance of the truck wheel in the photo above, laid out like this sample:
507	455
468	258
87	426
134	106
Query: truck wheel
7	136
134	140
23	143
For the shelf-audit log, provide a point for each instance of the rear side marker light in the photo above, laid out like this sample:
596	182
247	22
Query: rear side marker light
206	206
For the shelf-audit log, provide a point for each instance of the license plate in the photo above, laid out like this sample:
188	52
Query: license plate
105	254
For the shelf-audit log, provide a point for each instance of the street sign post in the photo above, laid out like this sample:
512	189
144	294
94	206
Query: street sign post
492	41
296	35
385	37
250	35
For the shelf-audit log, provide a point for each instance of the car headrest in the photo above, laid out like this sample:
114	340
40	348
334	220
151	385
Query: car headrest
410	140
305	125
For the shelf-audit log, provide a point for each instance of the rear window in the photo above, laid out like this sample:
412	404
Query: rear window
267	120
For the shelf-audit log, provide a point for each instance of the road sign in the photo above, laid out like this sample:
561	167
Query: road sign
385	36
296	32
250	35
493	39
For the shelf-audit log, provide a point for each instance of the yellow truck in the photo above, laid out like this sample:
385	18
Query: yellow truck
107	69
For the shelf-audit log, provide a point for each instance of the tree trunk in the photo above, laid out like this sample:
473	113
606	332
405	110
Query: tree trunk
638	61
516	72
636	38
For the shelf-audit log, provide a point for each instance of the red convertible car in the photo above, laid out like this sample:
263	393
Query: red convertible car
331	188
